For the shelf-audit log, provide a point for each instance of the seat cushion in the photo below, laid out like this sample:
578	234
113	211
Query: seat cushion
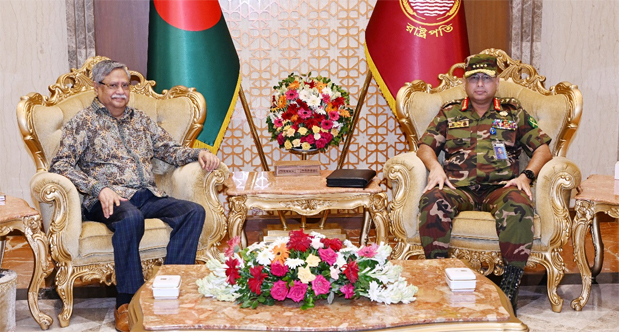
95	245
477	225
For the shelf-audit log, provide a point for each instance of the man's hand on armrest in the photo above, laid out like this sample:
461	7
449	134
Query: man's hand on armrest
208	161
437	174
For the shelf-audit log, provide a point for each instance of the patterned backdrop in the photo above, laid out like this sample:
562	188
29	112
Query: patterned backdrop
274	38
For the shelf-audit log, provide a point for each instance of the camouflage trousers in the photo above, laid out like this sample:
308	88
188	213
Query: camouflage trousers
510	206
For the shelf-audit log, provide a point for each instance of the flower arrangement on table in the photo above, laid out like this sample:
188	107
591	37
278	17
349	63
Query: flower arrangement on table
304	268
309	113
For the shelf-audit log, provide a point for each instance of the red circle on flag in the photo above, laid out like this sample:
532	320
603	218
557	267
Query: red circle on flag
191	15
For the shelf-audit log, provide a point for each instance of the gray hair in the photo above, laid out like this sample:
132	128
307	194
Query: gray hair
103	68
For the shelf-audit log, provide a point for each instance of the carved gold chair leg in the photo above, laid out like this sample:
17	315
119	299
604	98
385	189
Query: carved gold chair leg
555	270
64	287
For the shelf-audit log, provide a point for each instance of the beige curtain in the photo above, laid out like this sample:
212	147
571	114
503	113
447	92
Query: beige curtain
80	31
526	21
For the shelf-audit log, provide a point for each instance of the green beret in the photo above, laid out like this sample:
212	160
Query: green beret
481	63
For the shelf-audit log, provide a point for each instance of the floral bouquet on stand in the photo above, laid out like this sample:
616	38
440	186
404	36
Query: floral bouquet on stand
304	268
309	113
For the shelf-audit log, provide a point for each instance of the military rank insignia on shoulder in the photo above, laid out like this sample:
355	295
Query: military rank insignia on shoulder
451	103
513	102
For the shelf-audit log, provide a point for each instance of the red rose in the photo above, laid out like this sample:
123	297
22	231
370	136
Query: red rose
299	241
279	269
335	244
297	291
279	290
255	283
351	270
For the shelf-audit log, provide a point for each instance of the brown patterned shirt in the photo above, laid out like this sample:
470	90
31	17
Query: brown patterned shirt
98	151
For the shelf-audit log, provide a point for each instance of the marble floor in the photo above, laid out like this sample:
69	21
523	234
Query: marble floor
93	309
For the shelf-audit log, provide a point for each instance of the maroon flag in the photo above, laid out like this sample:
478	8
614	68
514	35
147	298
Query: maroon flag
407	40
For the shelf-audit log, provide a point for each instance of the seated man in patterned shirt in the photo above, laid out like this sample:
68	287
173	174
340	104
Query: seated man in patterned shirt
106	151
482	137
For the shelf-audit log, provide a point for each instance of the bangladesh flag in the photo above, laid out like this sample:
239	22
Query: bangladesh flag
189	44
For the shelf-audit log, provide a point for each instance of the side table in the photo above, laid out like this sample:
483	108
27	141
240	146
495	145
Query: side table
306	195
16	214
596	194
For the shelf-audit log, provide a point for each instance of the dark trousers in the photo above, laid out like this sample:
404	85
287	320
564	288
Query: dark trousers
511	208
127	222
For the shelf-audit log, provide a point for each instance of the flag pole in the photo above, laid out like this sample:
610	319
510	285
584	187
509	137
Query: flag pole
252	128
355	119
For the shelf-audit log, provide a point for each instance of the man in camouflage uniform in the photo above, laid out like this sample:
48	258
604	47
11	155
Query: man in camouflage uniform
482	137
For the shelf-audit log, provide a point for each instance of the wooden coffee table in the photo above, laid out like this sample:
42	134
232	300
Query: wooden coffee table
595	194
436	308
16	214
306	195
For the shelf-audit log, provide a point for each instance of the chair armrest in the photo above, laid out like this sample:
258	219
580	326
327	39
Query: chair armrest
192	183
406	175
552	195
61	212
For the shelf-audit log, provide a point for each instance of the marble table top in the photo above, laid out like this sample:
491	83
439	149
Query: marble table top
599	188
15	209
435	304
256	183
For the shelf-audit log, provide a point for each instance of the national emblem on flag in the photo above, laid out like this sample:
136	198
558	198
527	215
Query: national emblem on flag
409	40
189	44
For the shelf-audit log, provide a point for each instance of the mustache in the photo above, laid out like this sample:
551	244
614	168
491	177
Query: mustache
117	95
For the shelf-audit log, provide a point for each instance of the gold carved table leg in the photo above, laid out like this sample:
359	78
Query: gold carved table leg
583	221
42	267
378	212
237	217
598	246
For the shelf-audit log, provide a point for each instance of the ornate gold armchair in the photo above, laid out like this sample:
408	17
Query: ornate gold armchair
83	249
474	237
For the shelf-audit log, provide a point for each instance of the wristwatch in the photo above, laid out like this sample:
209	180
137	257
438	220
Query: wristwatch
529	174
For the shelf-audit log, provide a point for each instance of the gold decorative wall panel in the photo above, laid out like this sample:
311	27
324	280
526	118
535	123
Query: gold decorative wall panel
275	38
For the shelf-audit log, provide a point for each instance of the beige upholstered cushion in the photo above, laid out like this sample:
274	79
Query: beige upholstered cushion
96	240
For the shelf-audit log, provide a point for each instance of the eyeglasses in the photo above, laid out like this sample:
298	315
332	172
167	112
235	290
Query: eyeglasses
484	78
114	86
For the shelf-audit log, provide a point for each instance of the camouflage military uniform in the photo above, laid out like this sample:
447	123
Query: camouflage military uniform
472	166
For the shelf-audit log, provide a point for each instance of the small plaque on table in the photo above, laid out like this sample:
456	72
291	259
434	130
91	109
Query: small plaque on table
166	287
460	279
297	168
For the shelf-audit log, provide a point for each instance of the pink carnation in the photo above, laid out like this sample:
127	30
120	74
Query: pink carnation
320	285
279	290
369	251
297	291
232	244
327	255
348	290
